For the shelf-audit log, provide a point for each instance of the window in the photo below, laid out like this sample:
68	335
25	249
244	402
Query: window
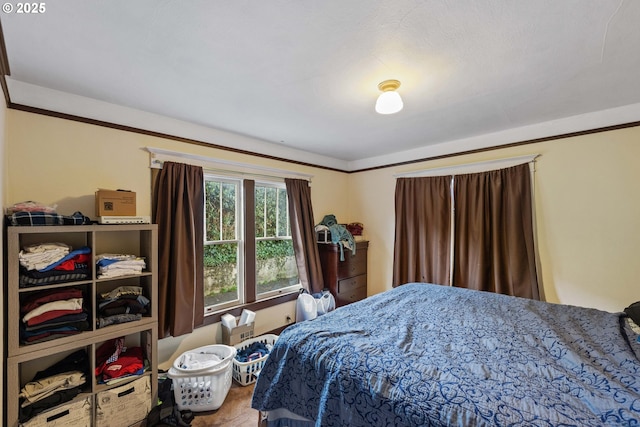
276	267
223	254
248	251
472	230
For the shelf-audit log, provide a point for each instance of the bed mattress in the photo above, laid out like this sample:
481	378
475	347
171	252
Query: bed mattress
430	355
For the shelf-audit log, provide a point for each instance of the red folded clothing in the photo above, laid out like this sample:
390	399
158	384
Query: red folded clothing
129	362
71	264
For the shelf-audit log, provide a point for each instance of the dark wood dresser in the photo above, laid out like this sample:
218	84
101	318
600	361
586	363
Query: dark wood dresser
346	280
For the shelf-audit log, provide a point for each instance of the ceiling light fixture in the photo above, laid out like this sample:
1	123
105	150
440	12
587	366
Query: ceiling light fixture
389	101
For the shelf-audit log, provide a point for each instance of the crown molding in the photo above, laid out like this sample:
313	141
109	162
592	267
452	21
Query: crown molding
36	99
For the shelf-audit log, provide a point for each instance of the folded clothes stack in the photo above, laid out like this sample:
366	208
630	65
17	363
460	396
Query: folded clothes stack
41	255
121	305
57	384
49	263
114	361
116	265
51	314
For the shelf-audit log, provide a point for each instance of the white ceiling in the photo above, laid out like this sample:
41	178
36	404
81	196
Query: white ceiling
298	79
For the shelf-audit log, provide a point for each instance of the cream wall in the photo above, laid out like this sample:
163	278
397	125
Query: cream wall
587	205
3	162
63	162
586	202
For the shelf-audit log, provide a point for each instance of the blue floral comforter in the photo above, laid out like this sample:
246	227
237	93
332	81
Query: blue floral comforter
429	355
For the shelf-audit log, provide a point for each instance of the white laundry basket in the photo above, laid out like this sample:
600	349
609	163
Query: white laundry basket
202	377
246	373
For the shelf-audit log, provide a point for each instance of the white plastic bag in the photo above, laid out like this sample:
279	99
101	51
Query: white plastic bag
306	307
325	302
309	306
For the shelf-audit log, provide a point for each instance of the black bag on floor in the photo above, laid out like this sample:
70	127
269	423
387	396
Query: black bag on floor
167	412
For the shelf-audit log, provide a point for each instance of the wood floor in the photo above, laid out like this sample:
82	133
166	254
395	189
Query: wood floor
235	411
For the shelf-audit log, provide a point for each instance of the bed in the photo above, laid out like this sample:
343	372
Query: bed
430	355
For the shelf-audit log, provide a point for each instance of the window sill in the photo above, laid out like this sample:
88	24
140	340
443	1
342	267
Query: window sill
212	318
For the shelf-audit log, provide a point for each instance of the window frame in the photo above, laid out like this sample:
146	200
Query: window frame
239	239
245	228
292	288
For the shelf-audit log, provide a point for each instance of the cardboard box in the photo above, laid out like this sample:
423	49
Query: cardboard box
115	203
236	335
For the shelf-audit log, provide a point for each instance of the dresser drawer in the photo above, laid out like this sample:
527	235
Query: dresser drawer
352	265
347	280
351	290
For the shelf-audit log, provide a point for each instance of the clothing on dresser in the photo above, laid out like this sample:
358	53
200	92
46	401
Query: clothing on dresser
339	234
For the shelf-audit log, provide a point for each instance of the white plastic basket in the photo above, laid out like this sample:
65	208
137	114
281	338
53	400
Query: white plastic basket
246	373
201	385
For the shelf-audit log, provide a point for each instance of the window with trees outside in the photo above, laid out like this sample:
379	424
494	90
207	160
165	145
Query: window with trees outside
248	251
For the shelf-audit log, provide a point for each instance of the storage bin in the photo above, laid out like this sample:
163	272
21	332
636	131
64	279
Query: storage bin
77	413
246	373
125	405
201	385
236	335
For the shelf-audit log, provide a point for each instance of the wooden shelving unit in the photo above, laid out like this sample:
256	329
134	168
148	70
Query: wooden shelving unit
24	360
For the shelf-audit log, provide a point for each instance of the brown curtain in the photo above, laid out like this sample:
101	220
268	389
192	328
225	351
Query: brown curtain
178	208
494	248
423	230
303	234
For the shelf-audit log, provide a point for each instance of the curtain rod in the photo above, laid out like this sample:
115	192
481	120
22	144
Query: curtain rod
470	167
159	156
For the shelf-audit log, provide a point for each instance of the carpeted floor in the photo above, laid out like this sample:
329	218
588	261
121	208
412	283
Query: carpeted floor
235	411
